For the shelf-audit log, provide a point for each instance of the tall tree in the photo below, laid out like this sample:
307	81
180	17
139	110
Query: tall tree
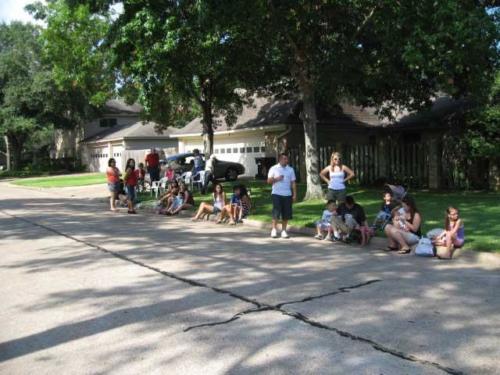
73	43
22	92
174	56
383	53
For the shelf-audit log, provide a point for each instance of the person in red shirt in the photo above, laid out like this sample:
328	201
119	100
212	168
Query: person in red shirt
153	165
130	180
113	177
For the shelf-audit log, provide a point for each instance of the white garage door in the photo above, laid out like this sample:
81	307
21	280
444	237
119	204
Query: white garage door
118	155
98	159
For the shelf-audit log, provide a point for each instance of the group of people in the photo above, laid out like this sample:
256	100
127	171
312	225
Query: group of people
400	220
125	185
342	220
235	209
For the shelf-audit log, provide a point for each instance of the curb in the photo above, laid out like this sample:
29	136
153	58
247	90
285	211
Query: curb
491	260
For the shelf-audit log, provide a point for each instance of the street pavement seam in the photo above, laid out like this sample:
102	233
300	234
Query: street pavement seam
259	305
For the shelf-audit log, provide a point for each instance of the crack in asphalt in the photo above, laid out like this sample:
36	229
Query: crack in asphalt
344	289
232	319
260	306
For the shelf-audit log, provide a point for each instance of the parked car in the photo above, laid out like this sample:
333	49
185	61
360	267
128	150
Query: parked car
223	169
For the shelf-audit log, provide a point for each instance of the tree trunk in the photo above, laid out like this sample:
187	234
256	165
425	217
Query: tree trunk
309	120
15	152
7	152
208	131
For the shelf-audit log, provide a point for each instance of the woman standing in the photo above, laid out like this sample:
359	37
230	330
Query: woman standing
113	177
336	175
130	179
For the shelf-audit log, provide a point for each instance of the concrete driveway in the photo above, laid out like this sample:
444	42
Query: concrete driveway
87	291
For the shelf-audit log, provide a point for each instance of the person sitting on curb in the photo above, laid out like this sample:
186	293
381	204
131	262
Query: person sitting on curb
350	216
325	224
182	201
453	236
218	203
405	228
239	207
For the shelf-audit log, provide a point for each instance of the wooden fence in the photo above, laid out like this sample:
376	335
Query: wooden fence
396	163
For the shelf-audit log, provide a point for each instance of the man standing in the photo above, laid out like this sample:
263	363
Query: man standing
284	192
153	165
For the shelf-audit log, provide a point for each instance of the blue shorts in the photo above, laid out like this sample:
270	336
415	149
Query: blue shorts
114	187
130	192
282	207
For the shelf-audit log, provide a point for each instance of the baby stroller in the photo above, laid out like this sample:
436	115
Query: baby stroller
398	191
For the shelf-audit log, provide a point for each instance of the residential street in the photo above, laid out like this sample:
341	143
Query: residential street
87	291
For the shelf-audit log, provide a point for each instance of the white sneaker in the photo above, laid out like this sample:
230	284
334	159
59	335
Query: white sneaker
284	234
274	234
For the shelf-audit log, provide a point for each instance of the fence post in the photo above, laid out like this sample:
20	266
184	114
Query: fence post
434	164
382	158
494	174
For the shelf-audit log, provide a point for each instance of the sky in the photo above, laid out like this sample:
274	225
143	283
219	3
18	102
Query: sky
13	10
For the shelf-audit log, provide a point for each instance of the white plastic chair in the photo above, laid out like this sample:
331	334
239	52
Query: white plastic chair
163	185
155	188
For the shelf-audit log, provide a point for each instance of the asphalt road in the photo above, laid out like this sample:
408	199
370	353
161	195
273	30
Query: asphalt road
87	291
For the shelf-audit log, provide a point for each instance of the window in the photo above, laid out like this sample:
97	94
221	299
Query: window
249	149
235	150
107	122
242	150
256	149
228	151
222	150
262	149
216	151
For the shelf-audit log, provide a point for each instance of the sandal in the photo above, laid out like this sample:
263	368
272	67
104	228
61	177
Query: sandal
390	248
404	251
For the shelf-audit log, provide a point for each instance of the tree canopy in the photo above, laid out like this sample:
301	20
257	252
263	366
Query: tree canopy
387	54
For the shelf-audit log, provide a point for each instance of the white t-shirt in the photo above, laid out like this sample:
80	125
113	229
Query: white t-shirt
283	187
327	215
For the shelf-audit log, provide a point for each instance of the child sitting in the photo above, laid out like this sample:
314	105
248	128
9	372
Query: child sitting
324	225
351	216
236	206
384	215
453	237
182	201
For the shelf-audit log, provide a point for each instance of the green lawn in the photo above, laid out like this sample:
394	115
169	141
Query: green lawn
63	181
480	211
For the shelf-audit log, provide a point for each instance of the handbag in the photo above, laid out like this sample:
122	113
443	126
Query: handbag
425	248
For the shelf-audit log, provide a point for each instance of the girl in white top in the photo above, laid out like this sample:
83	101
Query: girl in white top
219	201
336	175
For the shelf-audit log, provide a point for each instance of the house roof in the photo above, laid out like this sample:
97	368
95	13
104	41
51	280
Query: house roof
115	106
138	130
267	112
262	112
441	108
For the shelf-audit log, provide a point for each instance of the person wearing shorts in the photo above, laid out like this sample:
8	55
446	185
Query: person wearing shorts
130	180
336	175
284	192
113	179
